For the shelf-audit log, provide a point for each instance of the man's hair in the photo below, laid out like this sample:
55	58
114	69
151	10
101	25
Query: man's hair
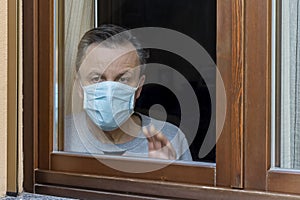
108	35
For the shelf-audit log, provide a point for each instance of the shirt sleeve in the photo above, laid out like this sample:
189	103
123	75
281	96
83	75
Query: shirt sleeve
179	142
186	154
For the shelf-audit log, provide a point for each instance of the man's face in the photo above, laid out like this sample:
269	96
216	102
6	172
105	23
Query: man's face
111	64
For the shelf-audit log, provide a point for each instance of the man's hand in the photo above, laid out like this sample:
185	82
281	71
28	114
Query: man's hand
159	146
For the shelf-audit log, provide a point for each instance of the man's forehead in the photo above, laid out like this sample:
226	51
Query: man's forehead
114	51
100	57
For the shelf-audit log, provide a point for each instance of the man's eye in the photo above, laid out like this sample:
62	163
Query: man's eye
95	79
124	79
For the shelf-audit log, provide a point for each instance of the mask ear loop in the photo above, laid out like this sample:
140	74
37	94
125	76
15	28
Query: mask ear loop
82	89
140	134
138	85
80	84
78	79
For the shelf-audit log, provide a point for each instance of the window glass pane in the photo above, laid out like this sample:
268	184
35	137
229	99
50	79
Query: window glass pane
72	19
289	149
107	89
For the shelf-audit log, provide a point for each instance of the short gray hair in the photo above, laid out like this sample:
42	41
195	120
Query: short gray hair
110	34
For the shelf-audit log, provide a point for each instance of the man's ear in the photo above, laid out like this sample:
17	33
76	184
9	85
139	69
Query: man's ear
78	87
139	90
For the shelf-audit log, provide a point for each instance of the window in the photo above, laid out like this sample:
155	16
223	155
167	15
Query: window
289	91
66	73
161	88
285	161
60	162
243	151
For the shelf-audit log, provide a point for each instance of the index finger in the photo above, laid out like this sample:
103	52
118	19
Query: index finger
160	137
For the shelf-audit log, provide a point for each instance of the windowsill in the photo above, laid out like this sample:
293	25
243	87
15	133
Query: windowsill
29	196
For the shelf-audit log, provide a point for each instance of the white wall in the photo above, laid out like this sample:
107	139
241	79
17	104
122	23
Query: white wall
3	94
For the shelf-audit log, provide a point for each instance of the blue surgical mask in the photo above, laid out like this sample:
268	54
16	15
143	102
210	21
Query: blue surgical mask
109	104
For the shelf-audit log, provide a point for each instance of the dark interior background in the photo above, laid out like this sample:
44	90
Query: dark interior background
195	18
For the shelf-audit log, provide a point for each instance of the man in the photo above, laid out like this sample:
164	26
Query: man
110	74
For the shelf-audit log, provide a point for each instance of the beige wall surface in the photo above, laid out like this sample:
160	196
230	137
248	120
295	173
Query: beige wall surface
3	94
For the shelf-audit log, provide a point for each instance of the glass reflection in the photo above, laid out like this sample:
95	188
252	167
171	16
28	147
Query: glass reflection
84	79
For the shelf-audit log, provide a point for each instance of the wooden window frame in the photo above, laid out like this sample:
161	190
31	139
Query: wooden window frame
272	179
259	175
243	59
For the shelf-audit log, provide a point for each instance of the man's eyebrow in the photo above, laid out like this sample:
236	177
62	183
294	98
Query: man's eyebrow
127	70
94	73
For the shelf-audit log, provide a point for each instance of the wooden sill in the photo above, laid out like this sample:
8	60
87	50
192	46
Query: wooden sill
93	187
